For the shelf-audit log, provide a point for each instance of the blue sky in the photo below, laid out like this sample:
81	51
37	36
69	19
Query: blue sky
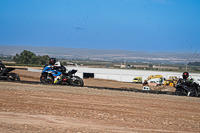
136	25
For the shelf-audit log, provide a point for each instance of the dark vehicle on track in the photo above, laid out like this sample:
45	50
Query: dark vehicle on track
184	88
6	75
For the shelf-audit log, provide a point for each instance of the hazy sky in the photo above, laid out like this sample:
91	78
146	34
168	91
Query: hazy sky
147	25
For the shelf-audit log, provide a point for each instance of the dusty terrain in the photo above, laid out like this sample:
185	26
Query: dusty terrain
57	108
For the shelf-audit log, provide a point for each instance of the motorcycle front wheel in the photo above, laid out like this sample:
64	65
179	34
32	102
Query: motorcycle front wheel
47	79
76	81
13	77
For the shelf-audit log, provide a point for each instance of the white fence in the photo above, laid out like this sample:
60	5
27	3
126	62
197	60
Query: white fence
124	75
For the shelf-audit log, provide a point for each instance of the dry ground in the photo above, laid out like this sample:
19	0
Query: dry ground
53	108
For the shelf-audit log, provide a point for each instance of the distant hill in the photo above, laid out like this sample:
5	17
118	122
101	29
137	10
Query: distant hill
105	55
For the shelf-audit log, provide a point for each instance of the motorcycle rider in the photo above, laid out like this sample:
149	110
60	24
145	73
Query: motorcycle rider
191	82
58	67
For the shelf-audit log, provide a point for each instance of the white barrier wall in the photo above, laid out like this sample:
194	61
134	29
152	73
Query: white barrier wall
124	75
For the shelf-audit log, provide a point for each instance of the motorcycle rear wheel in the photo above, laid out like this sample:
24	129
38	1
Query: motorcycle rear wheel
77	81
47	79
13	77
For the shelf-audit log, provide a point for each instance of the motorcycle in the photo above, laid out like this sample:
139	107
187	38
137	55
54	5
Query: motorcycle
52	76
186	89
6	75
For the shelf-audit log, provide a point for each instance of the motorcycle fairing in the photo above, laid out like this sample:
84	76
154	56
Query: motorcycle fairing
54	73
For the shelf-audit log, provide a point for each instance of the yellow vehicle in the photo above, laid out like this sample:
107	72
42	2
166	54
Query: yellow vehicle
137	80
154	76
172	81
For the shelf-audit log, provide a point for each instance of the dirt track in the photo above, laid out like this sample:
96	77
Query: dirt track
51	108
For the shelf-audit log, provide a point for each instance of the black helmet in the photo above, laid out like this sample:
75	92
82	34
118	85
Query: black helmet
52	61
185	75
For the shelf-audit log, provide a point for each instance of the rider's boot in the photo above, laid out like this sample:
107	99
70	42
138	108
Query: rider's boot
60	79
57	80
